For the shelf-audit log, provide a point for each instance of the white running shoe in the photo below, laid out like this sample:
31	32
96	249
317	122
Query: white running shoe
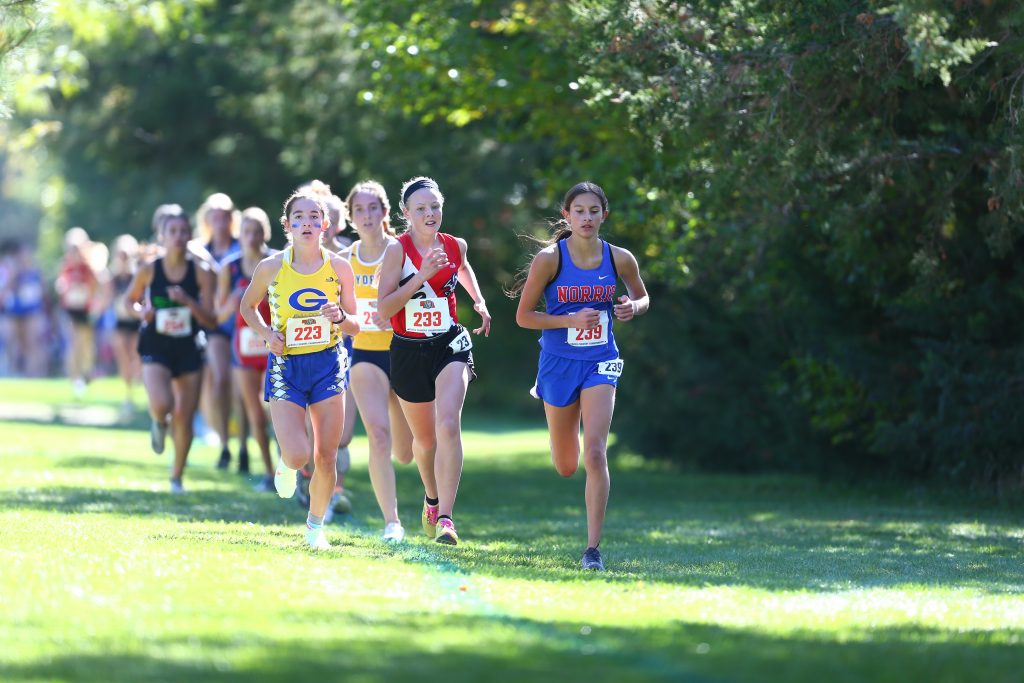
284	480
317	539
176	486
393	532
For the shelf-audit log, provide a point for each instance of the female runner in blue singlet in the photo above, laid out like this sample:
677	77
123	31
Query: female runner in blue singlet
579	366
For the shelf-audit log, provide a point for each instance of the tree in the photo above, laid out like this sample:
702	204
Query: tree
825	197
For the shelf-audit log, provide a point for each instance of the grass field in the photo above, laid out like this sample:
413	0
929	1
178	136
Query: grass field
104	576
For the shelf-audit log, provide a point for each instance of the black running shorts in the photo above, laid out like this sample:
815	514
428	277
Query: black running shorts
416	363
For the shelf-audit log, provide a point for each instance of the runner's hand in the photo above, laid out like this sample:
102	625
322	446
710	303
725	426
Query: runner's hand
485	319
145	311
433	263
332	312
276	342
178	295
585	319
625	309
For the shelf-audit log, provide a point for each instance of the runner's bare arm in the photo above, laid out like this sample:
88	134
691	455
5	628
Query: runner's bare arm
343	269
264	274
390	297
202	307
467	278
141	308
227	301
635	302
542	271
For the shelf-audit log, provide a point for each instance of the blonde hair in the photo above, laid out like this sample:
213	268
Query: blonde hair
216	201
255	213
377	190
75	238
130	246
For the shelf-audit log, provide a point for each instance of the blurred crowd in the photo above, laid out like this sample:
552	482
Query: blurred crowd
68	326
84	322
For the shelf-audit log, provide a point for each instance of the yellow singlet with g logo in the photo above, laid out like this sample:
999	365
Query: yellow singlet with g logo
370	337
295	300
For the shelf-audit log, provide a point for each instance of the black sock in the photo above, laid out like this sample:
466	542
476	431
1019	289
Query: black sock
440	517
432	501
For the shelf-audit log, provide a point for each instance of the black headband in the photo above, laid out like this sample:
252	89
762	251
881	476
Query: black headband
419	185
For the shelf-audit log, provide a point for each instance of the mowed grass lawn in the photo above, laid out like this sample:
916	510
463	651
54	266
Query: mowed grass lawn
104	576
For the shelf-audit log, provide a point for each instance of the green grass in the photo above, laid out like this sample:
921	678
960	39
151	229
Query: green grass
104	576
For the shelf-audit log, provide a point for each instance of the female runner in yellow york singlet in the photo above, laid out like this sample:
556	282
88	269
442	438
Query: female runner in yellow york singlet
310	291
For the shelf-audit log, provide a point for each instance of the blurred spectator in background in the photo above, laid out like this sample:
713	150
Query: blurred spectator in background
218	223
124	261
24	301
80	295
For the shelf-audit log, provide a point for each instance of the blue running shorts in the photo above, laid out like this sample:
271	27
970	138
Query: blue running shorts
307	378
560	380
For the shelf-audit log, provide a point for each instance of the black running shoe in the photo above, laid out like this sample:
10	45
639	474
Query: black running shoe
592	560
243	461
225	459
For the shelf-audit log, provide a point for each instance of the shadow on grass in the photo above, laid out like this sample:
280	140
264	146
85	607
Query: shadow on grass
197	506
673	529
518	518
527	522
496	647
88	462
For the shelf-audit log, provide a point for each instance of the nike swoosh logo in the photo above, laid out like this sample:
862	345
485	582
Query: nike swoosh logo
601	277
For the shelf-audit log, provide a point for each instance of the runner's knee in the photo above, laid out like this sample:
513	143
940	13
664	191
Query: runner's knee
293	458
403	456
595	457
327	458
425	446
379	436
566	464
449	427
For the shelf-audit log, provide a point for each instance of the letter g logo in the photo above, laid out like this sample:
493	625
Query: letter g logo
308	299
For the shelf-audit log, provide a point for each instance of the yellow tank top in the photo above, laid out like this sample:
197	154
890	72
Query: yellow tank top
370	337
296	296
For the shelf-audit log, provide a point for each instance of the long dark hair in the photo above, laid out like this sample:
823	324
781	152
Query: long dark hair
559	231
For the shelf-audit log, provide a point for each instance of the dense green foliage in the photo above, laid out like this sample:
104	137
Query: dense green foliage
825	197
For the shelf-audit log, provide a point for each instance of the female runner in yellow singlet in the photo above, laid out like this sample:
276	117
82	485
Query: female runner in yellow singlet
370	374
311	297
